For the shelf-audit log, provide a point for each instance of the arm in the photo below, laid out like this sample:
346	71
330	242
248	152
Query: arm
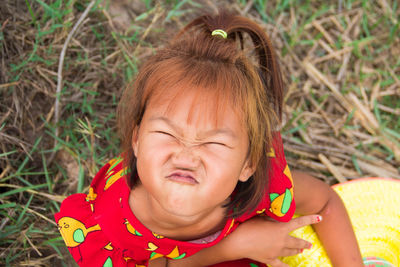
335	231
259	239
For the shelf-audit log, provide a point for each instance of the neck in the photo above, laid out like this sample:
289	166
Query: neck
155	218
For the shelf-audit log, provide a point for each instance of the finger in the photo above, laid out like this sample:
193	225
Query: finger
303	221
297	243
286	252
276	263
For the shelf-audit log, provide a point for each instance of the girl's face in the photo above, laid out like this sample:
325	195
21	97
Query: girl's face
187	161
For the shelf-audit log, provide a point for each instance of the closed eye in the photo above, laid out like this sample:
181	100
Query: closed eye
164	133
216	143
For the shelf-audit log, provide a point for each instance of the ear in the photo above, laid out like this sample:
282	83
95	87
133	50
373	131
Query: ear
135	140
247	171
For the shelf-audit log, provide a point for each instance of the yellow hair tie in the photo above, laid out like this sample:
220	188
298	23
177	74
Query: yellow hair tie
220	32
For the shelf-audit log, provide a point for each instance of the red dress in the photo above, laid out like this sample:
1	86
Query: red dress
100	229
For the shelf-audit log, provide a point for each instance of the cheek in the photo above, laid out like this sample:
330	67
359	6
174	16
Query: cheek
152	153
223	159
223	169
153	146
222	186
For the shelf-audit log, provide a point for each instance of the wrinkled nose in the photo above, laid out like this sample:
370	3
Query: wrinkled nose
185	158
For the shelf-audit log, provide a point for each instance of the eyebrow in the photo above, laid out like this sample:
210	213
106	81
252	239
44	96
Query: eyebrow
204	134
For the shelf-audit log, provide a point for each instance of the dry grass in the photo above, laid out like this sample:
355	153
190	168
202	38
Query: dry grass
342	74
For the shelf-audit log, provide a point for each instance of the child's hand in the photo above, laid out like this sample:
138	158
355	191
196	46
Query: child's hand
263	240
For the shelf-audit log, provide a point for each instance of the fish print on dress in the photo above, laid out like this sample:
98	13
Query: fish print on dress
74	234
282	201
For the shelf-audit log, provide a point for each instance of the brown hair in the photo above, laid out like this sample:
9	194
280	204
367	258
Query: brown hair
196	57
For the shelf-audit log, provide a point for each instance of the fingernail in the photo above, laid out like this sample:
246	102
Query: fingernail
301	250
310	246
319	218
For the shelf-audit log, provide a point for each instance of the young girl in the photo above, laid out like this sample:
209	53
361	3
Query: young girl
202	179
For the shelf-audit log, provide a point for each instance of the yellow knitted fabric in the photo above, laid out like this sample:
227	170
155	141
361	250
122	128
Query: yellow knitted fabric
374	208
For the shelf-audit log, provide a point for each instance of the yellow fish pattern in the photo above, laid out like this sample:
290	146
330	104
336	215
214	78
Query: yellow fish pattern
91	196
271	153
174	254
151	246
157	235
109	247
130	228
73	231
111	175
281	203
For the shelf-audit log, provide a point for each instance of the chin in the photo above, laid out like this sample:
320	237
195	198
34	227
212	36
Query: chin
181	208
183	214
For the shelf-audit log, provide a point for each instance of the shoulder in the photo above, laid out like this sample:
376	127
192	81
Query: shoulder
281	186
278	202
107	176
78	226
110	173
311	201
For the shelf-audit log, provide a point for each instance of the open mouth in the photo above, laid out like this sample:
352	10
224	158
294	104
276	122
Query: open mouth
182	177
